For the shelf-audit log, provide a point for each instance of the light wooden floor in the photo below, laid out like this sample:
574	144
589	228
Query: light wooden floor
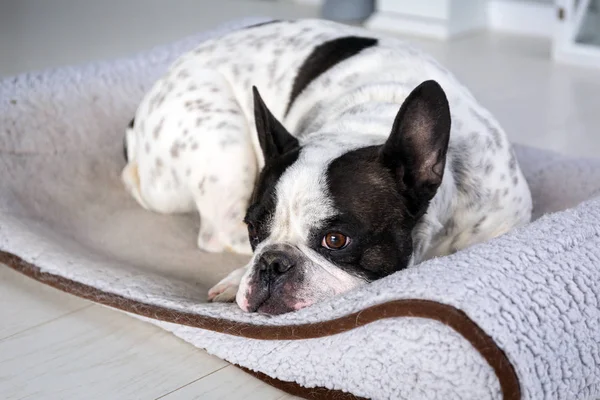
55	346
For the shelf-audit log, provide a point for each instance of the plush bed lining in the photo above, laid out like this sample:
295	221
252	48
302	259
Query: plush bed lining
443	313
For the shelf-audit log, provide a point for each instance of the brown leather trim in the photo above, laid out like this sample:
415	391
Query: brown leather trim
316	393
448	315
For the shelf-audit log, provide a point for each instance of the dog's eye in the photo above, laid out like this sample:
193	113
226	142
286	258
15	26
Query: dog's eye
335	241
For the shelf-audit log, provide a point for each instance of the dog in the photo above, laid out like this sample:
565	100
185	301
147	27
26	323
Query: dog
334	155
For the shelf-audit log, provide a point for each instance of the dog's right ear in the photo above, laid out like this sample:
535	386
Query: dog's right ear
274	139
416	148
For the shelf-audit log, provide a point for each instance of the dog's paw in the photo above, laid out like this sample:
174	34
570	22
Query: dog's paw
226	290
223	292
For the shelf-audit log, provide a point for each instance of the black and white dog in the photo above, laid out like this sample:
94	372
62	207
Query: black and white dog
369	158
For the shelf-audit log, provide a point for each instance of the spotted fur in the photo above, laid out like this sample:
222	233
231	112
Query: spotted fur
196	144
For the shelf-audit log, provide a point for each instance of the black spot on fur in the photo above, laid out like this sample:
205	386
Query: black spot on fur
496	135
489	167
324	57
158	128
481	221
201	186
130	126
466	182
235	69
512	162
449	227
460	169
477	226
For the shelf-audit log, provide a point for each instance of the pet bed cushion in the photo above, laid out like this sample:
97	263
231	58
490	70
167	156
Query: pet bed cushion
517	317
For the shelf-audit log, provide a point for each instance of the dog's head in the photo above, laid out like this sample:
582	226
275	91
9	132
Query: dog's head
321	224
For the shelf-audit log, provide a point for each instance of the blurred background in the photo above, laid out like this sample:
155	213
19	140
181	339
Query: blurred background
36	34
534	63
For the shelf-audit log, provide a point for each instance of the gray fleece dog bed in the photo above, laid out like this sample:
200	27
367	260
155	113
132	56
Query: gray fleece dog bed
517	317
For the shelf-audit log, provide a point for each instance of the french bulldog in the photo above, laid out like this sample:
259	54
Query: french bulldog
333	155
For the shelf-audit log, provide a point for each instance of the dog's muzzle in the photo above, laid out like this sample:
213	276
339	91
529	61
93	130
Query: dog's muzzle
275	285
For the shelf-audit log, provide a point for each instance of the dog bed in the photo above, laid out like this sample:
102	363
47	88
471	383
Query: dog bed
517	317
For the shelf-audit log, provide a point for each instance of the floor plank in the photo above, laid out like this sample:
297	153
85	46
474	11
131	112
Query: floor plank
229	383
97	353
25	303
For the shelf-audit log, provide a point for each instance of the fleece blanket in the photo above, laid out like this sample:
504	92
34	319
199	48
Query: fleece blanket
516	317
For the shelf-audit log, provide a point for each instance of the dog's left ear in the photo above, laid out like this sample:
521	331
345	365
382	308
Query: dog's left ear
274	139
416	148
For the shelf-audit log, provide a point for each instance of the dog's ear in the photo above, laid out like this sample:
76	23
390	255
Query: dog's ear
416	148
274	139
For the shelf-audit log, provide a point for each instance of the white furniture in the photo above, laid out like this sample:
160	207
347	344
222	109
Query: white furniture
577	37
573	26
439	19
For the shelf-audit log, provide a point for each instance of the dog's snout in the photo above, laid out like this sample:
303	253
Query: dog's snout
276	263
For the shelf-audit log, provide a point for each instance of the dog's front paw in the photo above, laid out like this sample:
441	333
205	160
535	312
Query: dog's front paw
226	290
223	292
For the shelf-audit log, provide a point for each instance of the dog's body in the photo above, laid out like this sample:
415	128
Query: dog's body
338	90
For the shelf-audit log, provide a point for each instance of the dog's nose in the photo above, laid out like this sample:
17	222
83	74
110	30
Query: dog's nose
275	263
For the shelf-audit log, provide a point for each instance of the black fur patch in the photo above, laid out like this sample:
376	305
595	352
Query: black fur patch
130	126
125	149
264	200
372	212
263	23
325	56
